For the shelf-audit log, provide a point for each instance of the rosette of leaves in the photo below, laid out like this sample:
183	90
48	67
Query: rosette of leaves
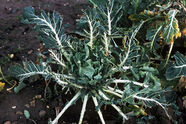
93	66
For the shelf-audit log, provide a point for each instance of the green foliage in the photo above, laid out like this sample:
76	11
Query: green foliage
96	66
177	69
29	70
161	23
20	86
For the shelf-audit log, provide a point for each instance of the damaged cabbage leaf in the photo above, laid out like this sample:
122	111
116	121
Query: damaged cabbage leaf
171	30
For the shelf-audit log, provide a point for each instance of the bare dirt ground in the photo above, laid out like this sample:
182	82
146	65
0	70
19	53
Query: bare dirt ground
19	39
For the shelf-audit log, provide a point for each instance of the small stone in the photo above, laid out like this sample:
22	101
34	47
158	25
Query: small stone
33	103
27	105
19	113
66	4
85	122
184	104
63	122
38	97
10	9
13	107
7	122
30	52
42	113
11	56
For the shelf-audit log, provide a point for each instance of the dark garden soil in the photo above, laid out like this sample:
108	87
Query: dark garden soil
18	42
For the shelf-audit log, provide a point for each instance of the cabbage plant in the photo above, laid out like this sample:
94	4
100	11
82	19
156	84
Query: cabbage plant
94	66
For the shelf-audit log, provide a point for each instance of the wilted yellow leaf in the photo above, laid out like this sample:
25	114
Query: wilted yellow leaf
2	85
171	29
181	84
142	15
143	112
132	17
184	31
148	12
176	27
140	110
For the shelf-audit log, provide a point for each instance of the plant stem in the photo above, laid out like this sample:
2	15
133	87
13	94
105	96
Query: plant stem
75	98
3	77
112	92
109	21
91	32
99	111
106	41
83	109
117	90
60	82
168	56
55	57
113	105
127	54
152	43
152	100
128	81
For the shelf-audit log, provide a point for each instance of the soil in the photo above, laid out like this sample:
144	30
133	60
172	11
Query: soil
18	42
19	39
